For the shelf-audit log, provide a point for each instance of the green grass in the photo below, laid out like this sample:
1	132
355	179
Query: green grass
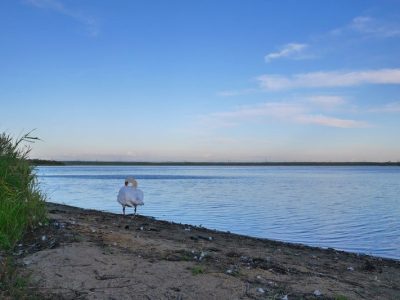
13	285
22	205
341	297
22	208
196	270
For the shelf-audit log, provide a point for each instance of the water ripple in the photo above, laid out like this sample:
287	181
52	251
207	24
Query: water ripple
348	208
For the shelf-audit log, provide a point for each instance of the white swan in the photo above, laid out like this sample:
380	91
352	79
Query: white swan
130	195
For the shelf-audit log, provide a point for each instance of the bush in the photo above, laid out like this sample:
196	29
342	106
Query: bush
22	205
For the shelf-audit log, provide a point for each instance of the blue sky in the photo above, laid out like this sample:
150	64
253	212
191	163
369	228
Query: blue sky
203	80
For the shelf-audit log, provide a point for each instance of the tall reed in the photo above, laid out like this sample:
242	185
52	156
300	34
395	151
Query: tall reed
22	205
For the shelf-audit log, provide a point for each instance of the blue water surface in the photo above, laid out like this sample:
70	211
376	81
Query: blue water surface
348	208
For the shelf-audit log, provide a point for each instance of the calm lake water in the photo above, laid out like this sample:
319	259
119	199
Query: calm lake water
349	208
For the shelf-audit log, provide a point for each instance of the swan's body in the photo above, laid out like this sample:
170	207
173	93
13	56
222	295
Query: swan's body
130	196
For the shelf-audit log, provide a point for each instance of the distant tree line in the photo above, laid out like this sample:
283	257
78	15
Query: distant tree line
43	162
124	163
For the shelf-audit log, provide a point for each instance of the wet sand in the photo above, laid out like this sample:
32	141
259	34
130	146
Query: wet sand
87	254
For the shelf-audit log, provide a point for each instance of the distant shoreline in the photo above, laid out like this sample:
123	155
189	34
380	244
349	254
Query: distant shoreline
40	162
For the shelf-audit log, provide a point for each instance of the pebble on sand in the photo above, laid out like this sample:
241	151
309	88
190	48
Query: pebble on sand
317	293
260	290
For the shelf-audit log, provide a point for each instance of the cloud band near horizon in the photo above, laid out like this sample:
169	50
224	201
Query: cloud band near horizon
300	113
329	79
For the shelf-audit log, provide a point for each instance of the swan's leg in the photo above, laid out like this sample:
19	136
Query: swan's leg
135	209
123	209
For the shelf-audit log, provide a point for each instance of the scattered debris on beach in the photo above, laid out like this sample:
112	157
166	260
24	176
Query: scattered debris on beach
96	255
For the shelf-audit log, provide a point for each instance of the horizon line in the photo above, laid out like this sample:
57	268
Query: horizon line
216	163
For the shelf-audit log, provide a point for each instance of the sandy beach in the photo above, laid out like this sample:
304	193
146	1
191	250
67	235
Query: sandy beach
87	254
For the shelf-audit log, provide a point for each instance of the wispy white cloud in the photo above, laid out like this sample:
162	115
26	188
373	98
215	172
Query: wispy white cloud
329	79
393	107
292	50
277	109
250	113
89	22
370	27
330	121
294	112
327	101
375	27
232	93
360	26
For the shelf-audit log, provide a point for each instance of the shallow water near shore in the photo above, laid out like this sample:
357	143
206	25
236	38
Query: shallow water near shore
348	208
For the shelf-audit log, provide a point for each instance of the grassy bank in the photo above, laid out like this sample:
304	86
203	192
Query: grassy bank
22	206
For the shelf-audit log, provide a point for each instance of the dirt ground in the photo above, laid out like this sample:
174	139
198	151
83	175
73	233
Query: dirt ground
86	254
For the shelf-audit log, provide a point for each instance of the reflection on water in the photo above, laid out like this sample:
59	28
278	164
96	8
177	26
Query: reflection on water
349	208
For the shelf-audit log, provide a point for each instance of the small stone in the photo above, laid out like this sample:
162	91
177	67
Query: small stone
229	271
260	290
210	238
350	269
258	277
317	293
187	229
19	252
93	230
44	238
285	297
141	228
27	262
